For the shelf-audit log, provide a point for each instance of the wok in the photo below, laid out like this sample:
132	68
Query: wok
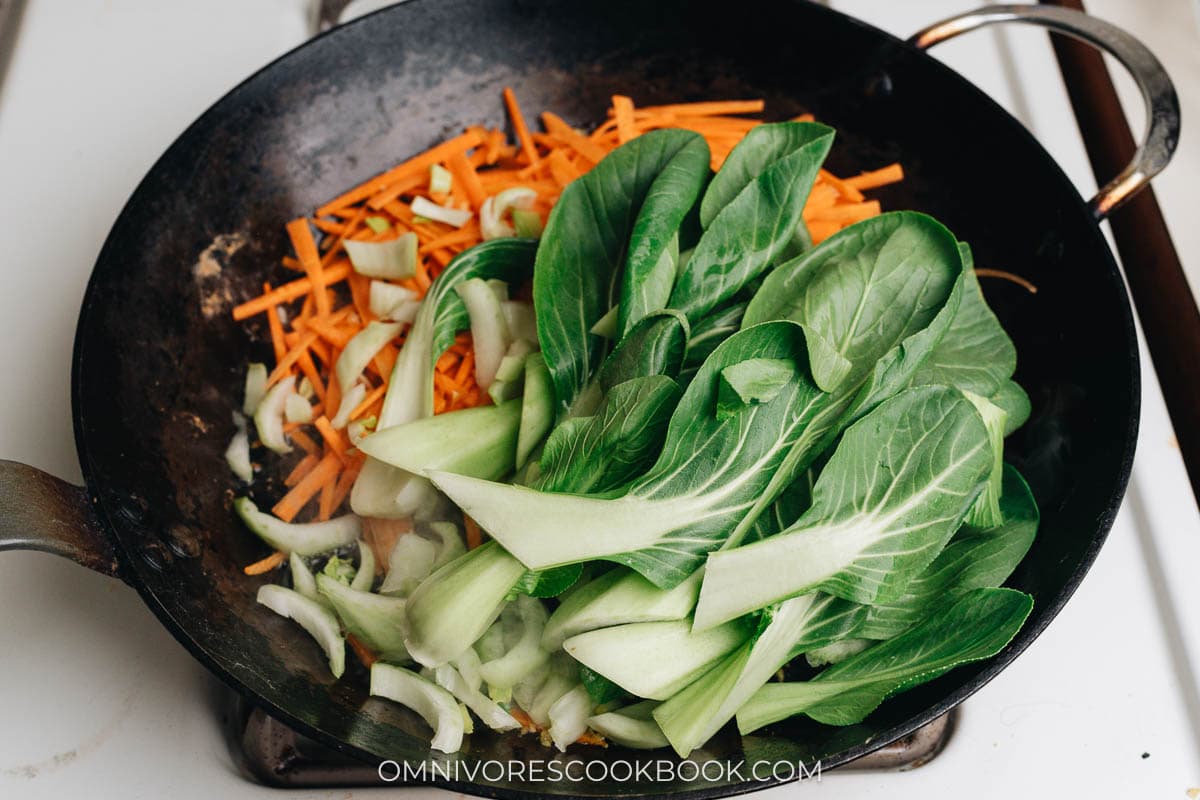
158	360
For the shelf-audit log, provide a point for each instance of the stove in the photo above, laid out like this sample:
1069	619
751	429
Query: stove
101	702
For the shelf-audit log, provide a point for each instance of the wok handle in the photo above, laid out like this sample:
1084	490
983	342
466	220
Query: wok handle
1162	104
40	512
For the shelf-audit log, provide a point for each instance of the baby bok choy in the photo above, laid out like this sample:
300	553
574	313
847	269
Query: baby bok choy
896	489
978	625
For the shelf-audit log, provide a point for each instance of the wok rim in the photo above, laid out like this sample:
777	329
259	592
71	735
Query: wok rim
180	630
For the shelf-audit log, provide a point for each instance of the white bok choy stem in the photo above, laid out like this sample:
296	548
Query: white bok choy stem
525	655
385	491
444	614
654	660
618	597
313	617
361	349
479	441
895	490
395	259
568	717
268	416
435	705
490	337
632	726
484	707
305	539
375	619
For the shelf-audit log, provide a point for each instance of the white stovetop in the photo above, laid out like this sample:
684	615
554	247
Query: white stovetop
99	701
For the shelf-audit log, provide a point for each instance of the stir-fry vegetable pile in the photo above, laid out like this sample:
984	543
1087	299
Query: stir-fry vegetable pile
693	426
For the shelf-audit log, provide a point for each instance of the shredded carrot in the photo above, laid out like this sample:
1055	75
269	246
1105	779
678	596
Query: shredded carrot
465	176
334	439
892	173
284	363
711	108
527	723
302	468
295	500
414	167
622	108
474	534
287	293
363	652
346	480
519	126
304	441
592	738
267	564
310	258
983	272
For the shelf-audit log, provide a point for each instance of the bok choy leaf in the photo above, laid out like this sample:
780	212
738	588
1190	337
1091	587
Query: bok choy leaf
978	625
750	211
591	225
895	490
710	472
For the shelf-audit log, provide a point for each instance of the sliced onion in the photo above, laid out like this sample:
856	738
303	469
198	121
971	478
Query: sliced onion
489	329
237	454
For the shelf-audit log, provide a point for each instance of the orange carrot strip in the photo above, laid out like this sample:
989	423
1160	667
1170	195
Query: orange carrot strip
466	177
821	230
572	138
309	369
710	108
302	468
850	212
346	482
519	126
494	146
527	723
304	441
622	108
474	534
414	166
805	117
844	189
295	500
561	169
267	564
465	367
368	401
306	251
466	235
876	178
403	186
284	365
288	292
325	501
275	325
983	272
363	652
326	226
334	439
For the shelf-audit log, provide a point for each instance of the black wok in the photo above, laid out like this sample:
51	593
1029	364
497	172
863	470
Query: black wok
158	361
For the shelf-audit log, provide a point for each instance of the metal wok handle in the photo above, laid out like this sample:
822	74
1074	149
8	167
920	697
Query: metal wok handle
40	512
1162	104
